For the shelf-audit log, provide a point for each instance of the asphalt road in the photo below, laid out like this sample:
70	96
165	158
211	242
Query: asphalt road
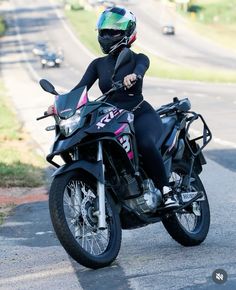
185	47
31	257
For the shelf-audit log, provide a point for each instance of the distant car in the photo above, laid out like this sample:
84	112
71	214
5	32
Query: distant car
51	59
168	30
40	48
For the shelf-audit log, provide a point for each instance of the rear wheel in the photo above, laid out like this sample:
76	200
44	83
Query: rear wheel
190	226
73	202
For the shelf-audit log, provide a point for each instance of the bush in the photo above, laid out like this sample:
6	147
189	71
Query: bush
2	26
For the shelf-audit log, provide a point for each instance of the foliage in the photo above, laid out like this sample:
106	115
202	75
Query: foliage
2	26
19	164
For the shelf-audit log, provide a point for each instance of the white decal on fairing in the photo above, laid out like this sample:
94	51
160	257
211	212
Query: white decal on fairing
106	119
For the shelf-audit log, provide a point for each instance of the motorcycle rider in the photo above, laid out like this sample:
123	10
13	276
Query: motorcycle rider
116	30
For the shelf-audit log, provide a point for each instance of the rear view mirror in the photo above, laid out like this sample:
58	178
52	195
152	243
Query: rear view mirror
123	58
47	86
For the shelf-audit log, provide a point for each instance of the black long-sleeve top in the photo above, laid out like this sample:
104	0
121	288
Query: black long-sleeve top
102	69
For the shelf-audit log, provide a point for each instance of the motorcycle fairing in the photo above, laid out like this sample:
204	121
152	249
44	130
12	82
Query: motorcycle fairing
67	104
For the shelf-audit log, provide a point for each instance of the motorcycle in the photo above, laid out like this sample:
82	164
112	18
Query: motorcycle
102	187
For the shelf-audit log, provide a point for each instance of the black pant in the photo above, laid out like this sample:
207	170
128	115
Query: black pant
148	129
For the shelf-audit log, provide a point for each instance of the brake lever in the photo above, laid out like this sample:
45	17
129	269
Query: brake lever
45	115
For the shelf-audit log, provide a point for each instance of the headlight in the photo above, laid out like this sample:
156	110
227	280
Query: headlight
58	60
44	61
70	125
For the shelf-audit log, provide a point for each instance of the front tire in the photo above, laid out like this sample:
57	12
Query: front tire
188	234
72	202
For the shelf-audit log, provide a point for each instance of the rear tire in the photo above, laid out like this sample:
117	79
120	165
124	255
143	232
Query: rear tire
176	229
78	233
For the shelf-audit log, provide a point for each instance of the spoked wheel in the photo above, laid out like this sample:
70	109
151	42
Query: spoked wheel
190	226
73	205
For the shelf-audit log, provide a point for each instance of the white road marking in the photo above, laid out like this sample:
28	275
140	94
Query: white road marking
216	140
43	233
171	91
199	95
34	74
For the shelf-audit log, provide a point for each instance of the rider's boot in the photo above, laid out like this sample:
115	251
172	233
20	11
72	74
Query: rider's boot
169	199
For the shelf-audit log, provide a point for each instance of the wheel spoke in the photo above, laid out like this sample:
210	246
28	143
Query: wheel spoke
78	204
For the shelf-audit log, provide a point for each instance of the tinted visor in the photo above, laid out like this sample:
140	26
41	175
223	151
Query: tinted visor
111	32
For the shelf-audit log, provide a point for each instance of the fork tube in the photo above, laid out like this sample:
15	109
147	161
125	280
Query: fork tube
101	192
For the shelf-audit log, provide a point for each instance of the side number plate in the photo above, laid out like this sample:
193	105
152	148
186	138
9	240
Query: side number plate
187	196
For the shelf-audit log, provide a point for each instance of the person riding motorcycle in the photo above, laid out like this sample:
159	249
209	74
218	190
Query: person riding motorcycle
116	30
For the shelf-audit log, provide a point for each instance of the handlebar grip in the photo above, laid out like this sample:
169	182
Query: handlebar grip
139	77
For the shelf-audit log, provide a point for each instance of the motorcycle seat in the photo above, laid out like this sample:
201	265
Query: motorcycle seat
168	124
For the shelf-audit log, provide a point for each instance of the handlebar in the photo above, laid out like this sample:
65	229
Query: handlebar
116	86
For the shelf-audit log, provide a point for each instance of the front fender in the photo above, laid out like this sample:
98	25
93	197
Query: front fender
94	168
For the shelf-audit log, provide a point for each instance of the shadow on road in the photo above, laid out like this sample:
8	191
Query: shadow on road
224	157
98	279
30	226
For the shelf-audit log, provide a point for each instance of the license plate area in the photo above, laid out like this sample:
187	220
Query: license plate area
187	196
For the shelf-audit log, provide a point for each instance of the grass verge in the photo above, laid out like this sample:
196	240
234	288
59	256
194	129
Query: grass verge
215	19
19	164
2	26
84	23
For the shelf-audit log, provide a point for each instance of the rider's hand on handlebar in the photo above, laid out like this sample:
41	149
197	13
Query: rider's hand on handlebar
130	80
51	110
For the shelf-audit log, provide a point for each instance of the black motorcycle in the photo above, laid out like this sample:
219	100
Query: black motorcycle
102	186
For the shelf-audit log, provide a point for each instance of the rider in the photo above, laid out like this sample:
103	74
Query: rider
117	29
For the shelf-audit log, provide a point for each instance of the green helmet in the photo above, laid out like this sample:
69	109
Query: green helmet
116	28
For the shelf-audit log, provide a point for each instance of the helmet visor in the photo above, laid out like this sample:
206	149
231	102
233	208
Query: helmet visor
111	20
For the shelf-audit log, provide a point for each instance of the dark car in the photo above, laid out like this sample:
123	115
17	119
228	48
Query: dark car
39	48
168	30
51	59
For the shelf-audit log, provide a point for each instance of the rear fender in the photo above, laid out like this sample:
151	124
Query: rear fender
94	168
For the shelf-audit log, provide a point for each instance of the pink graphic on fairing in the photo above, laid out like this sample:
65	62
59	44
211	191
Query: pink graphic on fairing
54	106
83	99
117	132
126	144
131	155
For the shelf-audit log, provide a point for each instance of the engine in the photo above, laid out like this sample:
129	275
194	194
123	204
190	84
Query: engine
148	201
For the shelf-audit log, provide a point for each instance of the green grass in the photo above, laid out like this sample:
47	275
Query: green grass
2	26
163	69
215	19
216	11
84	23
19	164
2	215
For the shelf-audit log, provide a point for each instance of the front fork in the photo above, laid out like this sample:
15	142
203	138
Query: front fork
101	214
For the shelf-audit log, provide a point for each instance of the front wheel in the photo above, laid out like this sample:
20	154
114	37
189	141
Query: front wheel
190	226
72	203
